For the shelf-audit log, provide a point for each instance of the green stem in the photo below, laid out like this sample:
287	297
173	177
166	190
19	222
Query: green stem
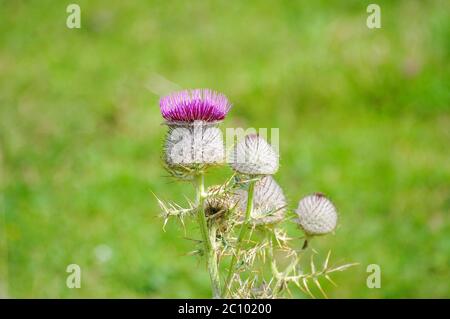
208	239
213	265
242	233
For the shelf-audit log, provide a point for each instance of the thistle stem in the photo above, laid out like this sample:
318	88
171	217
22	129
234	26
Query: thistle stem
242	233
213	266
208	239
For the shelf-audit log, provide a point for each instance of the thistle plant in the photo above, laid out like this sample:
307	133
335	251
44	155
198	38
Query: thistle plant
247	251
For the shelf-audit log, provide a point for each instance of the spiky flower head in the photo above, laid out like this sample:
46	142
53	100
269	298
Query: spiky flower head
193	145
316	214
194	105
254	156
269	203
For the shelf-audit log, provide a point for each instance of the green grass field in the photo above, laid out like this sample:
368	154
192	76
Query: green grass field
364	116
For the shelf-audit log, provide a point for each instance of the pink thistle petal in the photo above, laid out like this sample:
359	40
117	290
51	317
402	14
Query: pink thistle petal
194	105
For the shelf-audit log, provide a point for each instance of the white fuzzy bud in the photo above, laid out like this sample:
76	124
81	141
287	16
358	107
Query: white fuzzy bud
190	144
269	203
316	214
254	156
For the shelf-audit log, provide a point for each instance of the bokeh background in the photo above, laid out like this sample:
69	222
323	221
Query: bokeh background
364	116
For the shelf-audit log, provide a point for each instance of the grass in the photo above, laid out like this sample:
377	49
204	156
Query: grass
364	117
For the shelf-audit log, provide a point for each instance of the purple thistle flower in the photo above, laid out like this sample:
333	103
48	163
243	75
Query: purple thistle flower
194	105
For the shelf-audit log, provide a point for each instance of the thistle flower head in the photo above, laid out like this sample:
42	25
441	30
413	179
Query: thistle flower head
254	156
194	105
269	203
316	214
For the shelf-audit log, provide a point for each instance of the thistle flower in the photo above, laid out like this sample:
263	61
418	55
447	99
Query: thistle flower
194	105
316	214
193	139
269	203
254	156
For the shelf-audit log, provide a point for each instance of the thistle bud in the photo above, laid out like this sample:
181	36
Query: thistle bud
316	214
269	203
254	156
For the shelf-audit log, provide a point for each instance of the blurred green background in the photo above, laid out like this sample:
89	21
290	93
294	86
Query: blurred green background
364	116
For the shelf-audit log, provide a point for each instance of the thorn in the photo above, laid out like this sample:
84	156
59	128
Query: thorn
316	281
331	281
313	267
325	264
